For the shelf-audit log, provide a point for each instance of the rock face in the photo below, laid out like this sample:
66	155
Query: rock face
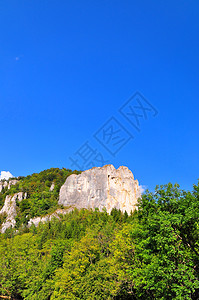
46	218
52	187
12	182
101	188
10	209
4	184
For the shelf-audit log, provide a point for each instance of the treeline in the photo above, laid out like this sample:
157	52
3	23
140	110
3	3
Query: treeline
151	254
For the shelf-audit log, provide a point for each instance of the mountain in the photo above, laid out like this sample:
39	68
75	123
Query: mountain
50	193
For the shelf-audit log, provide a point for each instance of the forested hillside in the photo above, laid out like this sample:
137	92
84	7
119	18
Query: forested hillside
40	199
151	254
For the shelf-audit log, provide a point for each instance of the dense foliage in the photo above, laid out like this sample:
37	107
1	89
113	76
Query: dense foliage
40	199
152	254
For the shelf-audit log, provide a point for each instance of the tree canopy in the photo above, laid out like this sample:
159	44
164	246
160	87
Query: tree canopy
151	254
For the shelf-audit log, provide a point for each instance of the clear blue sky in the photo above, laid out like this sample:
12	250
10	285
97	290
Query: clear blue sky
67	67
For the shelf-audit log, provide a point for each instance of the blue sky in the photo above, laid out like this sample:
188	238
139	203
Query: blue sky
66	69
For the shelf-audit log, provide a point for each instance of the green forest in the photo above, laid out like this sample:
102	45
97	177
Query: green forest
151	254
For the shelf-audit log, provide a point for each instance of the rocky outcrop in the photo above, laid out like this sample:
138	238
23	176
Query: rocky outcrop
46	218
52	187
12	182
4	184
104	187
9	209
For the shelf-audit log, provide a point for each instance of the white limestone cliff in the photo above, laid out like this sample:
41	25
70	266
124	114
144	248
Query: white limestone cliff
104	187
4	184
9	208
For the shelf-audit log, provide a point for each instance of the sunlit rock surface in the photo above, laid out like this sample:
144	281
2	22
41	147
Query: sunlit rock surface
9	208
104	187
4	184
